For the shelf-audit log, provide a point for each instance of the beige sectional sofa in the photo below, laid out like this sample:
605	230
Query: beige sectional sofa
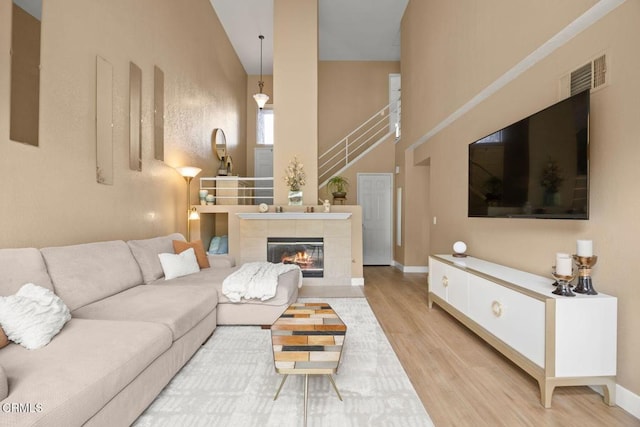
131	330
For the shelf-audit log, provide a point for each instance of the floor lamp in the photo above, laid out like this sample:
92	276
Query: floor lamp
188	173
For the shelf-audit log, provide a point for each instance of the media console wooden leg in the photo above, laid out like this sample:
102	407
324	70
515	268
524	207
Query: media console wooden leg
546	393
609	393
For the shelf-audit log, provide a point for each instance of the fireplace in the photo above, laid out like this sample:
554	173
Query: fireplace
306	252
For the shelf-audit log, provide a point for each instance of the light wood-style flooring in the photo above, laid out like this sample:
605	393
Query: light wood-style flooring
461	380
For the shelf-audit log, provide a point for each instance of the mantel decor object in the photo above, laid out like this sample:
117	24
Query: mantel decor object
295	178
563	286
295	198
584	264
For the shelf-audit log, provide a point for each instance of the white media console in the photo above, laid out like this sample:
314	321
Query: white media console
560	341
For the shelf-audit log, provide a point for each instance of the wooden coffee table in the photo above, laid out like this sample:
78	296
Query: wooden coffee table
307	340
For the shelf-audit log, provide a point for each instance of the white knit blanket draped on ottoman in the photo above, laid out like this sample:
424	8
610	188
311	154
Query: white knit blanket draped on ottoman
256	280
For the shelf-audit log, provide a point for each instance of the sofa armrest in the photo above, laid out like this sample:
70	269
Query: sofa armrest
221	261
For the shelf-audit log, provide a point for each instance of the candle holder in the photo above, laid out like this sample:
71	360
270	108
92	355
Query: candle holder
563	286
585	285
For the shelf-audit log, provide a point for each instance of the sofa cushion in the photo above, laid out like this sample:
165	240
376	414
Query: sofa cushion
4	384
221	261
33	316
178	265
86	273
178	307
180	246
20	266
146	254
80	371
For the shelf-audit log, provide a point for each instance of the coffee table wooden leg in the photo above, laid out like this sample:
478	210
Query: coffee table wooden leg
281	384
335	387
306	397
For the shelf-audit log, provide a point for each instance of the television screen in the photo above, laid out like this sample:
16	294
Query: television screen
535	168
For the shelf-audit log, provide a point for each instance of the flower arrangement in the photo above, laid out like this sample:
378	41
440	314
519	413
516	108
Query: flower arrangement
295	177
552	176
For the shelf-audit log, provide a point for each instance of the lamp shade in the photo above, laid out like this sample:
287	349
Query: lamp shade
188	171
261	99
193	214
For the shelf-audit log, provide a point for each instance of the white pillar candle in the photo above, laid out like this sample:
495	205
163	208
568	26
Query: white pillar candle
585	248
563	265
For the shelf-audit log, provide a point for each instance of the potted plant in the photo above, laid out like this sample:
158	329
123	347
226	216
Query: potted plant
338	186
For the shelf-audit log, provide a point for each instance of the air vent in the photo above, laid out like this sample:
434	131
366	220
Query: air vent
592	75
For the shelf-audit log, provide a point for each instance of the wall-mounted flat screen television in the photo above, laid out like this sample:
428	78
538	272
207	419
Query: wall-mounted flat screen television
535	168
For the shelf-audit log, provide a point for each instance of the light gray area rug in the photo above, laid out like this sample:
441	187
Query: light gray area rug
231	381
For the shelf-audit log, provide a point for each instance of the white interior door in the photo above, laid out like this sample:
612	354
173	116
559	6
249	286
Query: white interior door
263	167
375	197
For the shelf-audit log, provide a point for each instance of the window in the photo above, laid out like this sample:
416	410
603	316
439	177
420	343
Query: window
264	130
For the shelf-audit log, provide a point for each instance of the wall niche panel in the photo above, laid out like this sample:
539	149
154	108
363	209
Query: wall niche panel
135	114
25	72
104	121
158	113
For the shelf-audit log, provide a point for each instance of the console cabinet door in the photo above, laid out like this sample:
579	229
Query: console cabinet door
449	283
515	318
438	278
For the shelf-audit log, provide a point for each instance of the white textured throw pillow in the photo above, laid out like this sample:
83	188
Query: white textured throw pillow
33	316
176	265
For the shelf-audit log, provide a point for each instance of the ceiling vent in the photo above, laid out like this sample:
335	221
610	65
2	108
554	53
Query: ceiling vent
592	75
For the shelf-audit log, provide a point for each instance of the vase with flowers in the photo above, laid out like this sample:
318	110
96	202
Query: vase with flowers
295	177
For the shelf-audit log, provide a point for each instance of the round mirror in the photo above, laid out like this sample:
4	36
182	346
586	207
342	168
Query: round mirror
219	143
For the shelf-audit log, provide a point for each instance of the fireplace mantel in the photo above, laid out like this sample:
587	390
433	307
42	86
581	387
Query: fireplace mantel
294	215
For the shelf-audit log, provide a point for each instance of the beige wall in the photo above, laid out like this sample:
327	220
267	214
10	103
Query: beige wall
295	80
350	92
442	73
50	195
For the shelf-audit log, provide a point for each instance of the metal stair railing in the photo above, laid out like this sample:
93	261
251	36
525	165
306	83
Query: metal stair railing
357	143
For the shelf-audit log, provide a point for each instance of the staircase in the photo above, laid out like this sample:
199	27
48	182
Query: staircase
372	132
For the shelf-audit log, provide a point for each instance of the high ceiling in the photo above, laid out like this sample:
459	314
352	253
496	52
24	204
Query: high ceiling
356	30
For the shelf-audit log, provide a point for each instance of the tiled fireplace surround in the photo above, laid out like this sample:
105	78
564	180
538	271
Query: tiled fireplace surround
335	232
341	230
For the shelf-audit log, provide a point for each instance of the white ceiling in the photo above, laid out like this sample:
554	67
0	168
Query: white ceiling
356	30
32	7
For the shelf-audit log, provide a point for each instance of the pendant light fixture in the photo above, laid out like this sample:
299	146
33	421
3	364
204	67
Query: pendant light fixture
261	98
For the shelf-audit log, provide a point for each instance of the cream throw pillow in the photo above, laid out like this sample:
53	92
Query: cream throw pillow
33	316
177	265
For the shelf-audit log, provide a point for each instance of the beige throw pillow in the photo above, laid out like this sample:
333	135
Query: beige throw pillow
198	247
4	341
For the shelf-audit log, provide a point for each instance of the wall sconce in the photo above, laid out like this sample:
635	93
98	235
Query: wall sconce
193	214
188	173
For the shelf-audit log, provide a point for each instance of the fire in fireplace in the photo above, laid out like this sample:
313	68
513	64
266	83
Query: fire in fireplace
306	252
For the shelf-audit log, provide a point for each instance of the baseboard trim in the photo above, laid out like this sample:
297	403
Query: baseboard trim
410	268
357	281
625	399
